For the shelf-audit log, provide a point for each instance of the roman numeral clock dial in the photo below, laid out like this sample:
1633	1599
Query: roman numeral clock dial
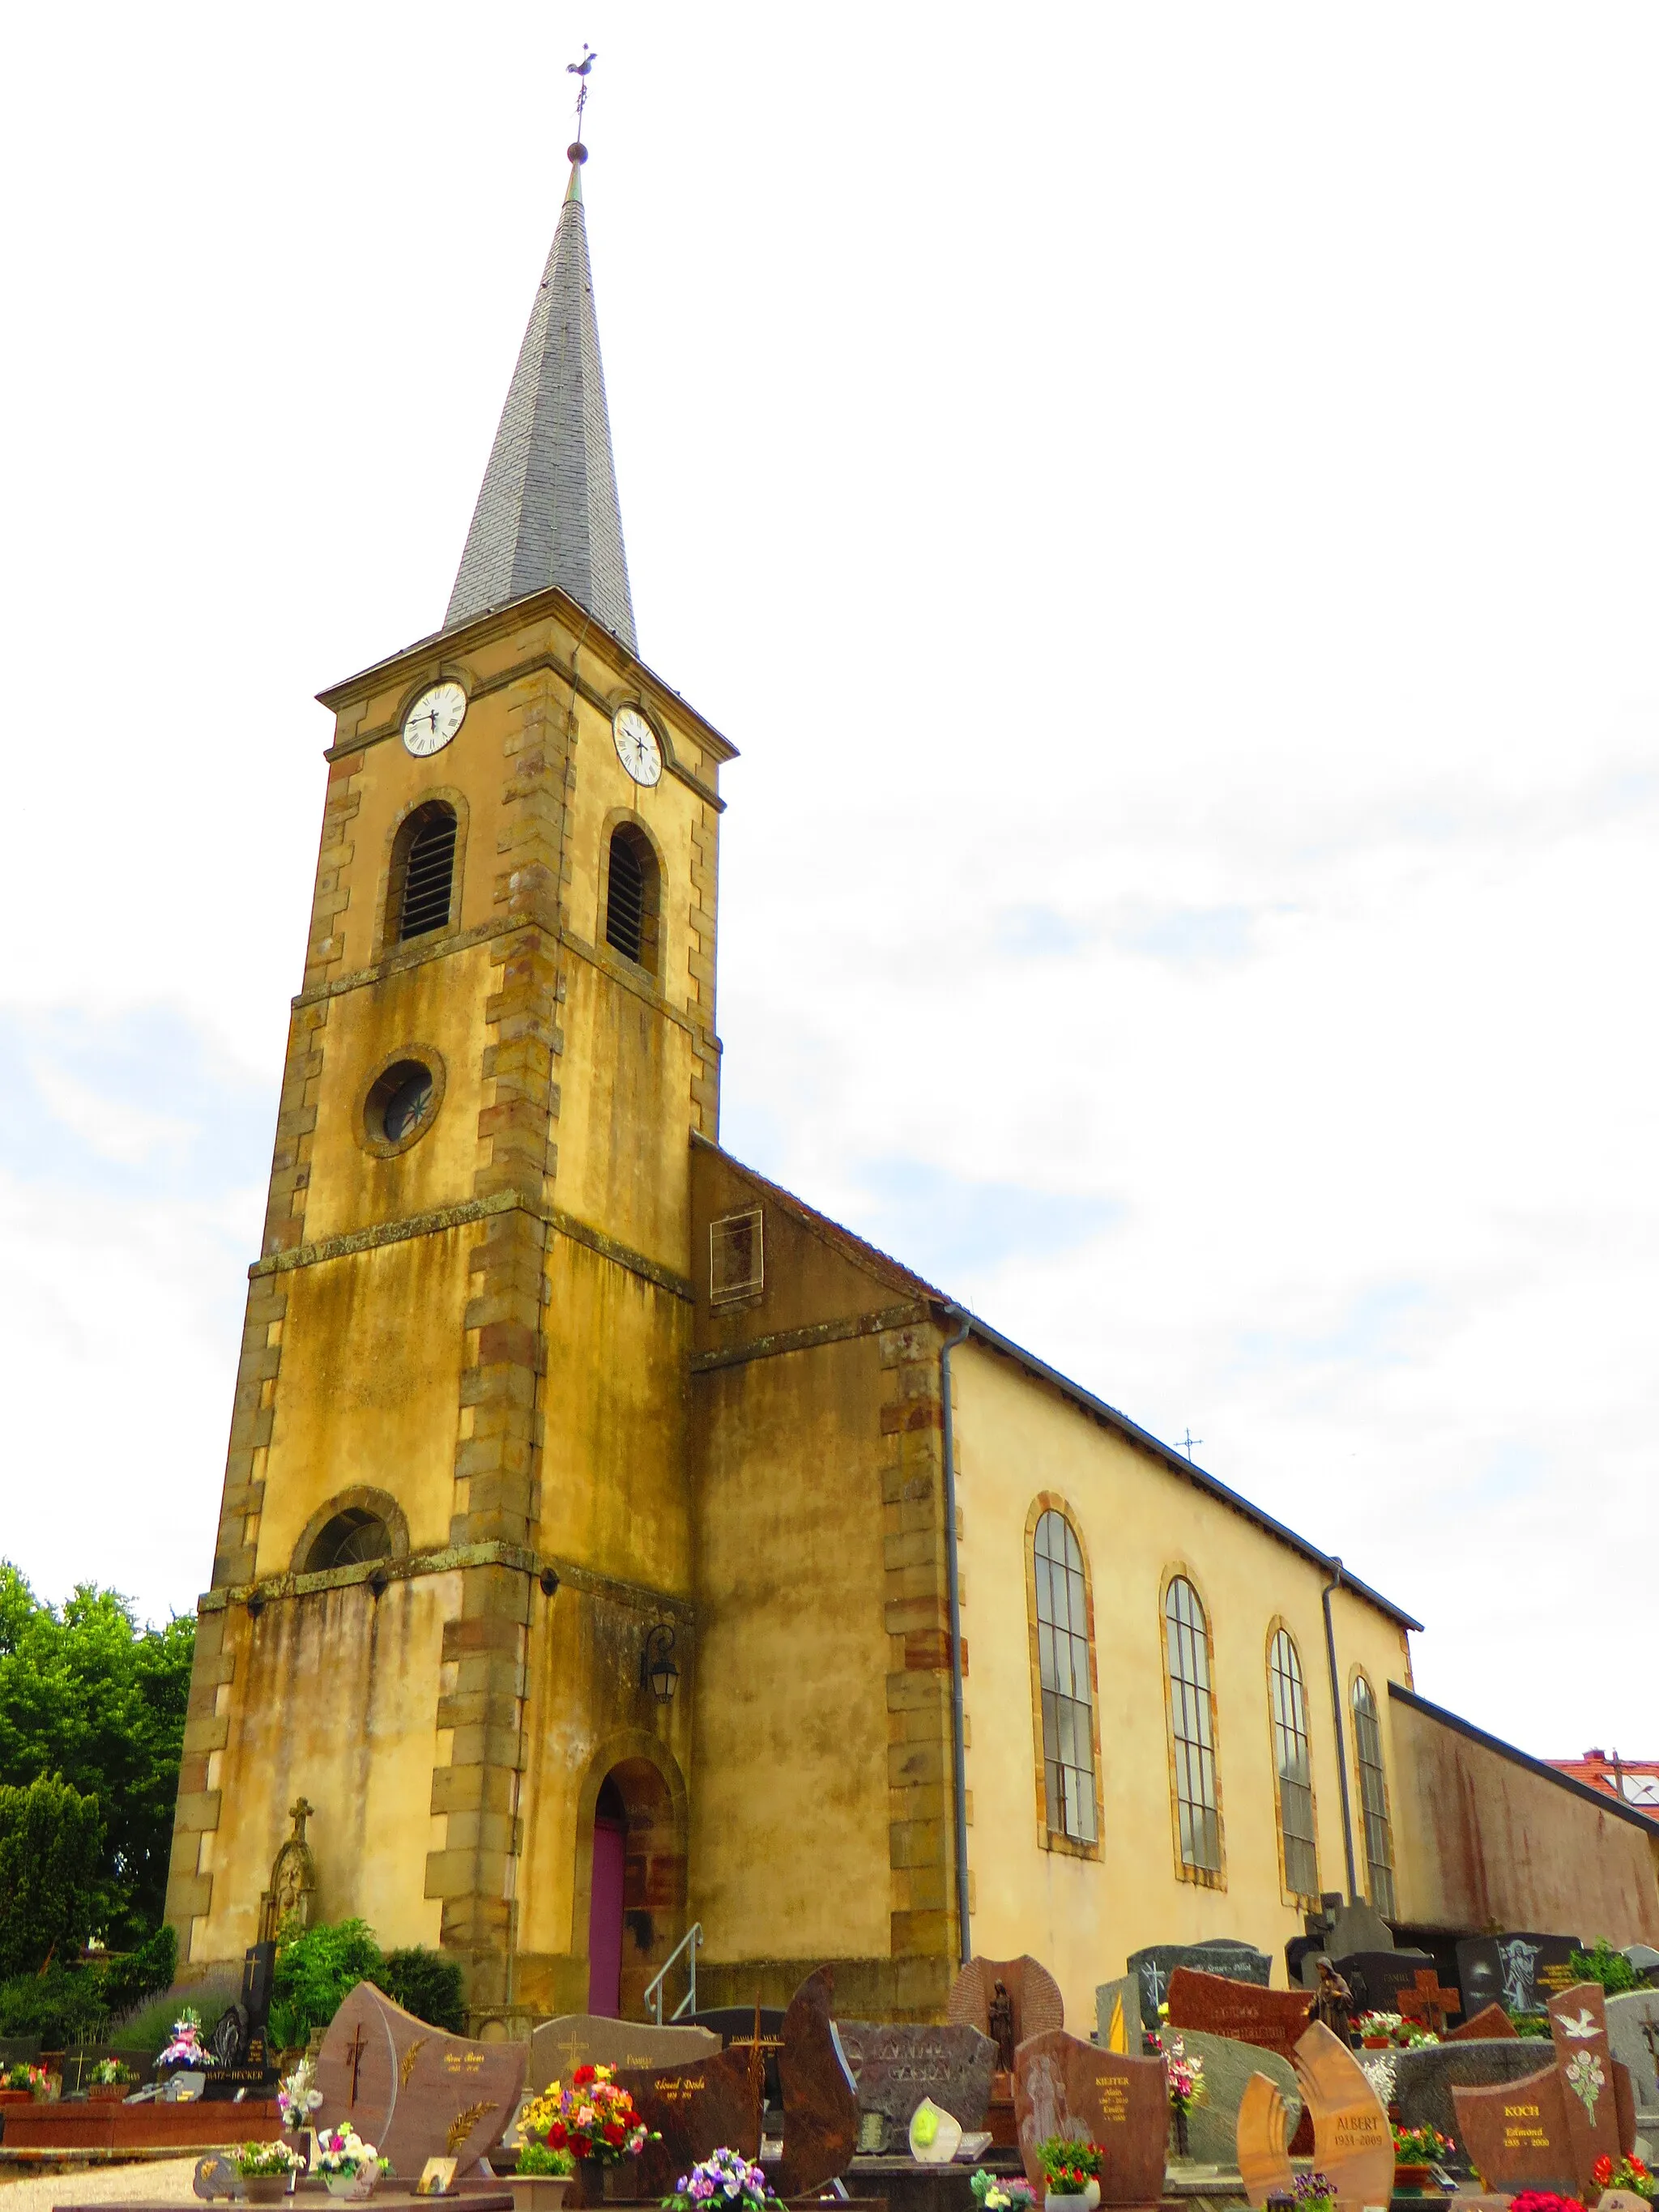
637	747
434	718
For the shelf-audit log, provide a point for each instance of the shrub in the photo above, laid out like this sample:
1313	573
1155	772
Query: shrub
1610	1968
426	1984
146	2029
315	1973
143	1973
64	2006
52	1839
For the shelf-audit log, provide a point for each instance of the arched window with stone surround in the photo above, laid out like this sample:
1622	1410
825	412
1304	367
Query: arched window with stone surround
632	896
1373	1799
351	1538
1064	1679
1287	1707
422	886
1196	1789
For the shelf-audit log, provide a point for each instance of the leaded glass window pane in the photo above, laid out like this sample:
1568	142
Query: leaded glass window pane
1293	1765
1063	1670
1187	1649
1373	1799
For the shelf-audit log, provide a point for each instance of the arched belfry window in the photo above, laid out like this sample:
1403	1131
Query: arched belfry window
1373	1799
1063	1673
1292	1766
631	896
351	1538
422	882
1192	1733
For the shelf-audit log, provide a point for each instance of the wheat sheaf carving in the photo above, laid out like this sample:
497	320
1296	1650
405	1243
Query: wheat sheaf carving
463	2123
406	2064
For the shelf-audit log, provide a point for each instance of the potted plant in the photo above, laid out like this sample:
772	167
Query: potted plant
1629	2173
266	2168
21	2084
1415	2151
998	2193
109	2082
725	2181
1314	2191
349	2166
597	2122
542	2179
1071	2168
1376	2029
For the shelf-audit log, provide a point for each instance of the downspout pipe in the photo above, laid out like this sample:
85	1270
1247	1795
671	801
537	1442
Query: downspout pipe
953	1586
1335	1583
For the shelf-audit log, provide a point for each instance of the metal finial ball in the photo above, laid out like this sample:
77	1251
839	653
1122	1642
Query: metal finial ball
576	153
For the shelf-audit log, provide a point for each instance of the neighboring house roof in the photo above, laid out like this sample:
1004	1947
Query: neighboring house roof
1634	1782
883	1263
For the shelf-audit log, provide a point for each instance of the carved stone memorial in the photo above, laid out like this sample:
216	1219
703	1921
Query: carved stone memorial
1232	1961
1633	2033
1065	2087
1492	2024
897	2065
1352	2142
1117	2015
820	2097
1035	2005
1229	2067
413	2091
1517	1972
1547	2130
695	2106
1274	2018
1424	2079
584	2038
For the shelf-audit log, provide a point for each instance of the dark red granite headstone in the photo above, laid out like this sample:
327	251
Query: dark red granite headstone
696	2108
412	2090
1492	2024
1274	2020
1065	2087
820	2097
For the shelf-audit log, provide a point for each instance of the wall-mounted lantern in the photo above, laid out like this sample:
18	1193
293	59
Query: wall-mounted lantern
658	1672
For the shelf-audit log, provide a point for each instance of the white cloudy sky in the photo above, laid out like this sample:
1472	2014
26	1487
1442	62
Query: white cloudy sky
1166	499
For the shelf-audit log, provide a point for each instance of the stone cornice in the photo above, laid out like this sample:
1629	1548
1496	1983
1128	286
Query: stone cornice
809	1339
451	1558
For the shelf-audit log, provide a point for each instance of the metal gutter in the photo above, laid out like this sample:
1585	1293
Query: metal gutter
1335	1583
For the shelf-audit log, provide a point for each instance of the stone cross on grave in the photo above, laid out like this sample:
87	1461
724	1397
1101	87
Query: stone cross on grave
1426	2003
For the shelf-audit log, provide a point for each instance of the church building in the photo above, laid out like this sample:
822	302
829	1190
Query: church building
613	1548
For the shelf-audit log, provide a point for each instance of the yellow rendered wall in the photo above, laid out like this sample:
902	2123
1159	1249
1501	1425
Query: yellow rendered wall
439	1003
334	1697
789	1843
1138	1521
1491	1844
615	1492
370	1381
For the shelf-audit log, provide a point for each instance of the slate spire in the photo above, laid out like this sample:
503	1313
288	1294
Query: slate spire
548	512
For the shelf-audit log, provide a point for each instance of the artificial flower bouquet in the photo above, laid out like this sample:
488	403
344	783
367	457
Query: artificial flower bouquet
298	2095
995	2192
267	2170
1628	2173
33	2079
349	2166
187	2047
1376	2029
1183	2073
591	2118
725	2181
1424	2146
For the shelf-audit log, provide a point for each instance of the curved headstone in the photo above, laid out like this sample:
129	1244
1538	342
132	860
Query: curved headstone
412	2090
1037	2006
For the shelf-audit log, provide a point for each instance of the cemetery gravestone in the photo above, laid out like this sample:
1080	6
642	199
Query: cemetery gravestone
1518	1971
695	2107
1424	2079
1212	2126
820	2097
1492	2024
1065	2087
1035	2005
1352	2142
1547	2130
559	2046
1231	1962
1274	2018
1117	2015
412	2090
1633	2033
1376	1978
896	2066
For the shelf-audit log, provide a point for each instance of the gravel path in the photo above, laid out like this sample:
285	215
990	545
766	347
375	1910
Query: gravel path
151	2181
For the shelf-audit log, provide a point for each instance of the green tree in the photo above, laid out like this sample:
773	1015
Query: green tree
52	1841
87	1694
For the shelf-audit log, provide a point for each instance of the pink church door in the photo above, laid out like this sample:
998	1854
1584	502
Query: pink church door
604	1918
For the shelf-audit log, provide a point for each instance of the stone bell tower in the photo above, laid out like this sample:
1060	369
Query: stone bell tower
457	1502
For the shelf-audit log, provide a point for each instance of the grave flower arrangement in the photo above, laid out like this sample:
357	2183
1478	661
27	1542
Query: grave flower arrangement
112	2073
1629	2173
185	2047
1184	2074
350	2165
298	2096
1543	2200
1424	2146
1377	2030
1071	2166
540	2162
34	2079
1314	2191
590	2119
265	2168
992	2193
725	2179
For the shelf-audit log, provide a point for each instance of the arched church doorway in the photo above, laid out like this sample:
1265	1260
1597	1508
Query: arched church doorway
636	1905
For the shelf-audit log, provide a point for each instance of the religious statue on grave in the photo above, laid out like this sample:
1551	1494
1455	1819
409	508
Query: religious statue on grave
289	1900
1333	2002
999	2022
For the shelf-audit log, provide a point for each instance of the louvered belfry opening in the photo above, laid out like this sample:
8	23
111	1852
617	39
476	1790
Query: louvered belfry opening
428	871
630	897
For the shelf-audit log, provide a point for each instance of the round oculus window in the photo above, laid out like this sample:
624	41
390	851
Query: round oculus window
401	1103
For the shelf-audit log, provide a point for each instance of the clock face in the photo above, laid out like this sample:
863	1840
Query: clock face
637	748
434	718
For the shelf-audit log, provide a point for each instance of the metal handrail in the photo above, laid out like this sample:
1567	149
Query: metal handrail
654	1998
